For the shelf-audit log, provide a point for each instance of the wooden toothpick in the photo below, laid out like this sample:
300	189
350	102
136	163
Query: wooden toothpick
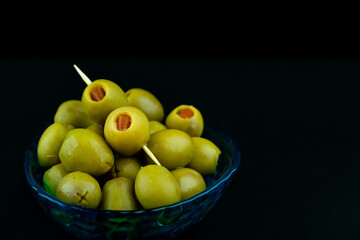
82	75
151	155
146	149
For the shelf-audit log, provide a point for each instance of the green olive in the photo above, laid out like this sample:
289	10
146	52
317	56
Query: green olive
100	98
206	155
52	177
186	118
173	148
125	167
127	130
50	143
118	194
155	186
146	102
190	182
84	150
80	189
96	128
156	126
71	112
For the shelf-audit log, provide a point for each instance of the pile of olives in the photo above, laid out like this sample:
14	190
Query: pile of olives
93	152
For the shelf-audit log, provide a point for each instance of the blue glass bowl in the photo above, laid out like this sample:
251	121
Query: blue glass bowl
163	222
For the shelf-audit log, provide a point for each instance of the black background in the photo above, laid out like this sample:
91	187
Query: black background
294	115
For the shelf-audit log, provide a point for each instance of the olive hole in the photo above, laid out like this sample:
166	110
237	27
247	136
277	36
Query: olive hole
185	113
97	93
123	122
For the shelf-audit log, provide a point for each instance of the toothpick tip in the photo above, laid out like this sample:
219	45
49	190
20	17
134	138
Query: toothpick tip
82	75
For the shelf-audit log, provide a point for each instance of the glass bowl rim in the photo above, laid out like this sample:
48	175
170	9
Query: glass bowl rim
225	177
